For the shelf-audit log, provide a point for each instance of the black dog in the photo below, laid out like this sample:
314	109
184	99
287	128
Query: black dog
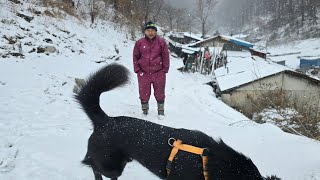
118	140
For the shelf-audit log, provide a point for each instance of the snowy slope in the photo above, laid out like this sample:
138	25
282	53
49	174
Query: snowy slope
44	132
293	51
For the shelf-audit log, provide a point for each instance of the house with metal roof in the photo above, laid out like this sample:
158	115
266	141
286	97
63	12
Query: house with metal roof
227	42
246	80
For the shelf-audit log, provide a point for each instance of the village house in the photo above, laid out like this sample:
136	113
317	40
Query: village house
245	80
226	42
185	37
179	41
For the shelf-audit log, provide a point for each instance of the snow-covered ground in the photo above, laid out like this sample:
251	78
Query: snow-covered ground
44	132
291	52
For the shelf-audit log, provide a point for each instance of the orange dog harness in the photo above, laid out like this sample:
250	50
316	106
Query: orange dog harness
177	145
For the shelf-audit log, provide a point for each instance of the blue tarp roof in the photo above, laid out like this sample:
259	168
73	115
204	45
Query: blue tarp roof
241	43
309	63
237	41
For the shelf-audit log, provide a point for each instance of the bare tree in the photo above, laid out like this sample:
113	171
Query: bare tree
176	18
158	5
95	8
169	14
203	11
183	20
93	13
135	13
115	4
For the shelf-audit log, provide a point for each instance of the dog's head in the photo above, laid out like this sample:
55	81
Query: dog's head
228	164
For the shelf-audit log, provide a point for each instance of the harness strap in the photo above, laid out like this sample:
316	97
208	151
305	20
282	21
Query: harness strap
177	145
173	153
205	169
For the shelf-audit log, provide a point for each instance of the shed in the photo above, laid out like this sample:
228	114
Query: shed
178	43
185	37
227	42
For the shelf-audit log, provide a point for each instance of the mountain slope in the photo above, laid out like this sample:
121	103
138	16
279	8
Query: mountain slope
44	132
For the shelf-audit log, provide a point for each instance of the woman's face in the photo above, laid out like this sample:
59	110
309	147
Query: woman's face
150	33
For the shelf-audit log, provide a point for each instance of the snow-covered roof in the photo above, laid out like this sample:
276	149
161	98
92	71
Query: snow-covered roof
242	69
192	35
187	34
189	50
258	50
237	41
240	36
176	44
185	47
204	40
227	38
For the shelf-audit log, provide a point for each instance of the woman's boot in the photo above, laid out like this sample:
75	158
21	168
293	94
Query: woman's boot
161	108
145	107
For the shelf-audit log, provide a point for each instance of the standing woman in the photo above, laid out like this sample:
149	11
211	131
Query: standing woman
151	63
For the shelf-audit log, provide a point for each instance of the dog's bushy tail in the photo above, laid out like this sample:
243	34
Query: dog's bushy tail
105	79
